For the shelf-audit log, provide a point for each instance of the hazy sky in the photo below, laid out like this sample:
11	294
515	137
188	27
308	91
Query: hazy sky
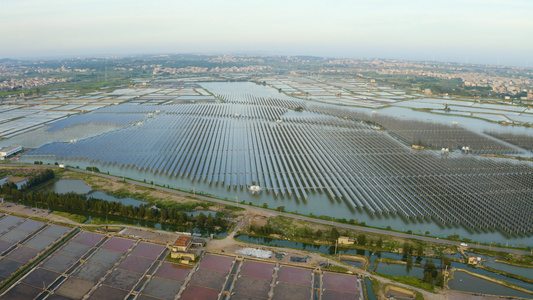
480	31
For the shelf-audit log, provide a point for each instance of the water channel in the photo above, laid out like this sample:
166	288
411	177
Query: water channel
391	268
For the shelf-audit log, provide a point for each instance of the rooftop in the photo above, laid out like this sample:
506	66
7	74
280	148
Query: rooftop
5	149
183	241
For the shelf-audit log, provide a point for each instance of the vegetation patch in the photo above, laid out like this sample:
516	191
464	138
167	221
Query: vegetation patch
338	269
412	281
73	217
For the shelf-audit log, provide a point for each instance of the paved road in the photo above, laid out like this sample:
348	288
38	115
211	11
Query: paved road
299	217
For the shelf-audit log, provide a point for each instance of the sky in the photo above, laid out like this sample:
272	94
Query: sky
473	31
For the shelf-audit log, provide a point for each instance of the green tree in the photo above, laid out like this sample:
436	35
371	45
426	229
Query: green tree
407	249
361	239
334	234
430	272
446	262
440	280
428	278
379	243
409	264
420	250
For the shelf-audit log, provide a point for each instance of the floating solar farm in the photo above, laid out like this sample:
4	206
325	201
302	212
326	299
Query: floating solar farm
293	148
18	116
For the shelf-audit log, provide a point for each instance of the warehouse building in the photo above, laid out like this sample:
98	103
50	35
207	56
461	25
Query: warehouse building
8	151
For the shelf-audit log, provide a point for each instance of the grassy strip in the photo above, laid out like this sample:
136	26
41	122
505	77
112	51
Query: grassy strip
98	183
506	274
525	261
516	263
376	286
100	221
338	269
36	218
412	281
73	217
419	296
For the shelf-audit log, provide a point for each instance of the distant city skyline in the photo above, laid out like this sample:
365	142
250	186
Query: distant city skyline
473	31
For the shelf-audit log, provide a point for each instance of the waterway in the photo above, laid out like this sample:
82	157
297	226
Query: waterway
368	288
383	267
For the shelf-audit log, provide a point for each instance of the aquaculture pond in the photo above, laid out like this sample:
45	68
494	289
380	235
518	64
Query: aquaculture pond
521	271
399	270
125	201
520	283
469	283
64	186
356	264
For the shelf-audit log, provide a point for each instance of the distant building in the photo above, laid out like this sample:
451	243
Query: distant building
474	260
344	240
7	151
187	248
182	244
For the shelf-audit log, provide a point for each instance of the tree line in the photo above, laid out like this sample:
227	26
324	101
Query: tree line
40	178
77	202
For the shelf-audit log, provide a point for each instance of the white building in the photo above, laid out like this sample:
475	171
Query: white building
7	151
